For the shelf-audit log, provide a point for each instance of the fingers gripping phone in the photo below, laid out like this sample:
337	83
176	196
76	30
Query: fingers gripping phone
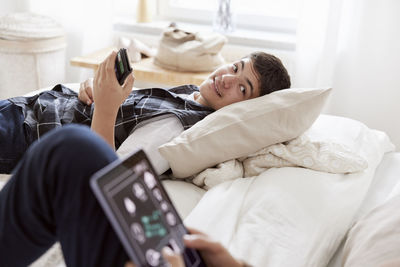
122	66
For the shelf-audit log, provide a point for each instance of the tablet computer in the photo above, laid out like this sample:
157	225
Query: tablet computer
140	211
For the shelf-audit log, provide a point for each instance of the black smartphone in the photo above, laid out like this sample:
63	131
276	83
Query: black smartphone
141	212
122	66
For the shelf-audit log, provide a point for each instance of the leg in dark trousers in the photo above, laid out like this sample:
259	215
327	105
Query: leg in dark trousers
49	199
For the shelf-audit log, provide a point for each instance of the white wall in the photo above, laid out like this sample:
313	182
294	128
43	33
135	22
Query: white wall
366	78
88	25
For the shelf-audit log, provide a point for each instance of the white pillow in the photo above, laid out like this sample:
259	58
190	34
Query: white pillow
149	136
243	128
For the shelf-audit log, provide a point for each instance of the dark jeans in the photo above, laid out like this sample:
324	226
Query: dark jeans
14	139
49	199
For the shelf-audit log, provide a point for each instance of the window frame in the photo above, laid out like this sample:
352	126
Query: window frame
166	11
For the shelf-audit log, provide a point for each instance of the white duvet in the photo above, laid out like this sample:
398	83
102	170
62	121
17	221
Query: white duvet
292	216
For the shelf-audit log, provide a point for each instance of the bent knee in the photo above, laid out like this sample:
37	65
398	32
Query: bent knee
77	149
79	141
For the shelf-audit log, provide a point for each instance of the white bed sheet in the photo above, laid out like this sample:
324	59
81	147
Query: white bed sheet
386	178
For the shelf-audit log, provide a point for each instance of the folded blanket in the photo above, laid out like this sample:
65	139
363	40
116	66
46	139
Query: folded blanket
314	150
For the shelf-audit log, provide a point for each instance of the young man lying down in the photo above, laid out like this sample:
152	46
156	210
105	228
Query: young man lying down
114	111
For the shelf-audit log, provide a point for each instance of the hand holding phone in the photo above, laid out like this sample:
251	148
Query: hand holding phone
122	66
108	94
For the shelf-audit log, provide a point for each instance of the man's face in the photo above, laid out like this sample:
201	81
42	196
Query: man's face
229	84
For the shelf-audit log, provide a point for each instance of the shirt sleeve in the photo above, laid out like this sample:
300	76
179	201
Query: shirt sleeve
149	137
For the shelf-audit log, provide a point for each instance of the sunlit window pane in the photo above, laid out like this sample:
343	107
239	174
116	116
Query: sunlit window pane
192	4
274	8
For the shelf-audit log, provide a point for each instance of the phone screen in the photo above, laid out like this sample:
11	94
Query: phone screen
122	66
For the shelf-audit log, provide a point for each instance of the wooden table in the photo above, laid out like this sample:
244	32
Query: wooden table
145	70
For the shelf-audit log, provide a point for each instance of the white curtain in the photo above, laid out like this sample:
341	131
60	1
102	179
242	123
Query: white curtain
316	40
353	46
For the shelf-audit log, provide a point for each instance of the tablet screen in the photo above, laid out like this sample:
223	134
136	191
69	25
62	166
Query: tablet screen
141	211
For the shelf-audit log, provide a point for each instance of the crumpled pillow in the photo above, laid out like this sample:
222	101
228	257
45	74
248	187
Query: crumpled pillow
180	50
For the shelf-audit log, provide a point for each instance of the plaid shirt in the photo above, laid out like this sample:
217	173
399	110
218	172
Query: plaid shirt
59	106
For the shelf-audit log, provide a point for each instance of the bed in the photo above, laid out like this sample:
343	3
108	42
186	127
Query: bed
280	200
384	186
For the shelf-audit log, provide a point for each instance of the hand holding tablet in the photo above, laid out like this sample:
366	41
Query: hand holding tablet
141	212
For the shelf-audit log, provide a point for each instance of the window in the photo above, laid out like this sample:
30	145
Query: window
270	15
125	8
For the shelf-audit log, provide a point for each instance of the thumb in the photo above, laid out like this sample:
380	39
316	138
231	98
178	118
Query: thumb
173	258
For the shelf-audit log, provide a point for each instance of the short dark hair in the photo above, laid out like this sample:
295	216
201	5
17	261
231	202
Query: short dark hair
272	74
